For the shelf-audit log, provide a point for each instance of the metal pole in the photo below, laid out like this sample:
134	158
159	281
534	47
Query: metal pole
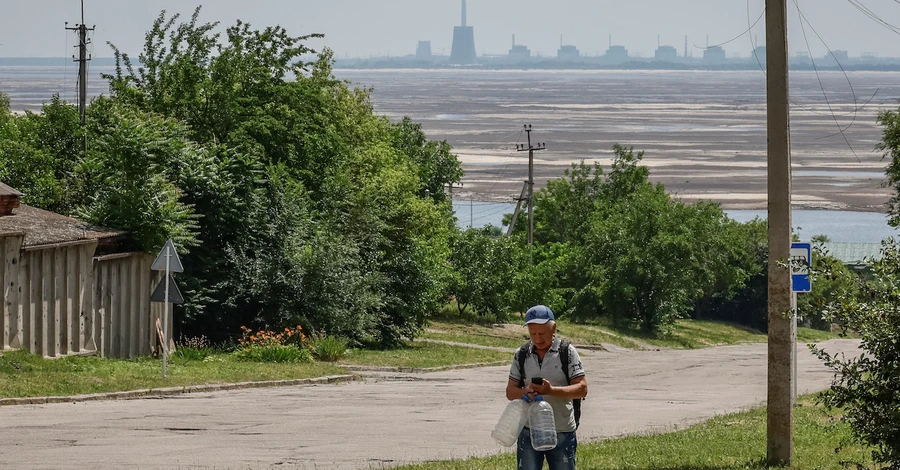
165	328
780	447
530	187
795	311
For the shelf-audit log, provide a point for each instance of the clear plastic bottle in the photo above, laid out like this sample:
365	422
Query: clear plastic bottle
512	421
542	424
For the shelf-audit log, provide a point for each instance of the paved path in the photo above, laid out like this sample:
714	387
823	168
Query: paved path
383	420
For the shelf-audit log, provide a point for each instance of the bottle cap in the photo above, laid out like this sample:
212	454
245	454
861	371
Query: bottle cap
526	399
538	398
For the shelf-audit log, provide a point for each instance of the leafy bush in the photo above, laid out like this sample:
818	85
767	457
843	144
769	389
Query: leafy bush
831	280
269	346
195	348
328	348
866	387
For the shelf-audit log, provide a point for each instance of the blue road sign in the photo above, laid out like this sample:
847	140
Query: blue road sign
801	260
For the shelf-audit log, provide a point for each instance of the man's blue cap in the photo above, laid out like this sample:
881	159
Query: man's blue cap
539	314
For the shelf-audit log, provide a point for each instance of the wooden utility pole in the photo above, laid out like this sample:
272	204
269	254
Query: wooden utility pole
780	448
82	60
531	149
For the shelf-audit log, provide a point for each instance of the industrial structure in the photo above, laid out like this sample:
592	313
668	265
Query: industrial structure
423	51
463	50
518	52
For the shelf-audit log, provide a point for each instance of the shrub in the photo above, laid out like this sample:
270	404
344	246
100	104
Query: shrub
328	348
269	346
866	386
195	348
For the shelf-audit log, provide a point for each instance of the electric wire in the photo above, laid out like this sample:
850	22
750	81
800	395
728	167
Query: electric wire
819	79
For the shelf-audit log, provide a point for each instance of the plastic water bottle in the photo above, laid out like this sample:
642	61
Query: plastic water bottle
512	421
542	424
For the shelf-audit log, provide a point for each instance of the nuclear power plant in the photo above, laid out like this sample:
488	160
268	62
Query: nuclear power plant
568	56
463	50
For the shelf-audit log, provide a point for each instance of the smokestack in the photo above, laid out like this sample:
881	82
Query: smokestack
514	41
463	24
560	41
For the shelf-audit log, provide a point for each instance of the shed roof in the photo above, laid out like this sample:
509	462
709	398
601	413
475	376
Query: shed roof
6	190
46	228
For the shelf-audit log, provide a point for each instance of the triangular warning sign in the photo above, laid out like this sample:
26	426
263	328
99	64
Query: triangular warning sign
159	295
174	262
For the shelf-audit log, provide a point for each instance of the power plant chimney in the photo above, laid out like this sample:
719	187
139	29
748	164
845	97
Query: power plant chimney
463	24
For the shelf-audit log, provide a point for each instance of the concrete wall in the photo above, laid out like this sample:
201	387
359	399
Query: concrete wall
60	300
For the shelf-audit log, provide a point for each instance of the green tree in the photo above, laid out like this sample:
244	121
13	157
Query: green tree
281	132
484	272
890	145
127	171
865	387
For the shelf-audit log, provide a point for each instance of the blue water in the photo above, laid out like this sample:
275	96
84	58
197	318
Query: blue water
839	226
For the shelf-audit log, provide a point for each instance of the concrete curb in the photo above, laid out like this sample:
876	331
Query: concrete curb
424	370
170	391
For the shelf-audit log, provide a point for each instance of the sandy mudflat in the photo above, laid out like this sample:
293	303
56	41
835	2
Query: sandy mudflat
703	133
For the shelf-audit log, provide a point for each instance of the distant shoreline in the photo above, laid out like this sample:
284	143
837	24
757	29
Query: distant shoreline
396	64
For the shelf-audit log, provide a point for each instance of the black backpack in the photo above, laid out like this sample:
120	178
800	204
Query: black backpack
564	359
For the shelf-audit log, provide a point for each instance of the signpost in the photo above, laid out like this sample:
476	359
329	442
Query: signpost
800	261
166	292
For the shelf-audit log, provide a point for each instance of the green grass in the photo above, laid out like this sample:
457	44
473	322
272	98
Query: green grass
26	375
470	338
695	334
592	334
735	441
421	355
809	335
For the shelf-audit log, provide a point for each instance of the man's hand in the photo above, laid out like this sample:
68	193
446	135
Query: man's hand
543	389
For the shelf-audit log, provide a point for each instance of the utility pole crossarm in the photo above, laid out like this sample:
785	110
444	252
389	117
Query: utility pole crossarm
83	59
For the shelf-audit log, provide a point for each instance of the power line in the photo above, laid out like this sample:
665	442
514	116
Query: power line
819	79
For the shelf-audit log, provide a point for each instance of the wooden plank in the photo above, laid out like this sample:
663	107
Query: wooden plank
4	316
86	293
103	325
113	312
124	307
21	305
59	303
145	318
73	272
46	302
26	282
134	292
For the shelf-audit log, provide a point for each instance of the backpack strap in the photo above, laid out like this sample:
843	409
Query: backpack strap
564	359
520	355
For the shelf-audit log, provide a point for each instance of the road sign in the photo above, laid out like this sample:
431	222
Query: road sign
801	260
174	262
159	295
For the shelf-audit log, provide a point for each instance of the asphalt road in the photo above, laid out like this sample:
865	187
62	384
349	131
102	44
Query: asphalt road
382	421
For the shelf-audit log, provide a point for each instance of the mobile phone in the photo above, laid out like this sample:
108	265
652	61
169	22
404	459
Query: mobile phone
537	380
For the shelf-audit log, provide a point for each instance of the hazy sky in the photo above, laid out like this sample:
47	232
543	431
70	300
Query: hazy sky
34	28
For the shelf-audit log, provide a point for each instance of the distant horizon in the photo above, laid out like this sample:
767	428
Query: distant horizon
377	29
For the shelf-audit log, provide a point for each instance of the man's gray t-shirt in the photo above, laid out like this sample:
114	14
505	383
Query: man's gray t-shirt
551	369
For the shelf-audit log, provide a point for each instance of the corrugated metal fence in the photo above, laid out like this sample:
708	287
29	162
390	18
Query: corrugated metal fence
60	300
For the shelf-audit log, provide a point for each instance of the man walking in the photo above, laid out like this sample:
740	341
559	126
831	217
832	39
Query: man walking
563	386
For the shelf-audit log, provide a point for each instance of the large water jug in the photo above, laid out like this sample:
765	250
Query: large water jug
512	421
542	424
